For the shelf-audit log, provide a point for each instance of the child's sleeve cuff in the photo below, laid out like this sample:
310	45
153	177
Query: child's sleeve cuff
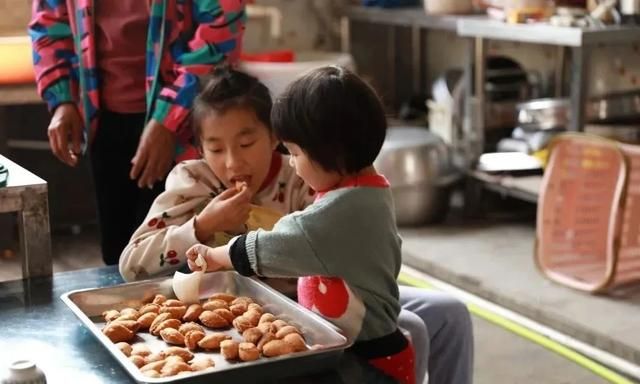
239	256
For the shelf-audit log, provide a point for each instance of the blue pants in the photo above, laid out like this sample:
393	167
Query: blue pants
441	333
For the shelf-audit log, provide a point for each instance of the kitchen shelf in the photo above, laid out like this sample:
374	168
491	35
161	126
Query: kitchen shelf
542	33
406	16
525	188
486	28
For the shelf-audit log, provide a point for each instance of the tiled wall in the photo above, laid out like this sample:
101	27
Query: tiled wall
15	17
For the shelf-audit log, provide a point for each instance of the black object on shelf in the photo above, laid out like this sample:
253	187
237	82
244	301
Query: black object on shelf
4	176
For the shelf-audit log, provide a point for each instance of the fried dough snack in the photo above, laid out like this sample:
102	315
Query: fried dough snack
116	332
192	313
262	332
229	349
248	352
213	341
213	320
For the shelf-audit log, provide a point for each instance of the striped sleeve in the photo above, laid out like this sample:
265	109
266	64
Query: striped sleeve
53	52
217	39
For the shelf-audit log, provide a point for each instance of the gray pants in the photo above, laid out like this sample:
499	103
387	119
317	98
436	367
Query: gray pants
441	333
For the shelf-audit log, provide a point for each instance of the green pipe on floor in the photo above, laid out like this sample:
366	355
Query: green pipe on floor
530	335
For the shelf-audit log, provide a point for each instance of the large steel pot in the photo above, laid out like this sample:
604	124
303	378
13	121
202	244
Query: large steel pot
418	165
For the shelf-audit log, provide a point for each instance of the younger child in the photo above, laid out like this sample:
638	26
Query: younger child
345	247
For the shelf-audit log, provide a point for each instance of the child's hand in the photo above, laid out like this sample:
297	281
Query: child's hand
216	258
227	212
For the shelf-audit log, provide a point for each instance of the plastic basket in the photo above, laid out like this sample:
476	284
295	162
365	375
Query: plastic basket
628	262
579	212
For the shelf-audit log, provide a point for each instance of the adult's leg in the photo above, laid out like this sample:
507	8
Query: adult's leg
450	332
120	201
417	329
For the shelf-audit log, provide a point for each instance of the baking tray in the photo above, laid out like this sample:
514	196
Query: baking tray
88	305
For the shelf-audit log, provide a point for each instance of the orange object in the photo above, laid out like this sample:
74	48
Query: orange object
281	56
16	66
588	226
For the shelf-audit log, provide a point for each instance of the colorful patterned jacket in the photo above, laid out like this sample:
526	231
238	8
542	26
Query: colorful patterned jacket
186	38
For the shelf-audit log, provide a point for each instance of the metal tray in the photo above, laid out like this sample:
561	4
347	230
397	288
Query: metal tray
88	305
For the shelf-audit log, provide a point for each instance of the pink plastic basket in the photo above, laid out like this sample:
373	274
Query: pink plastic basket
579	212
628	263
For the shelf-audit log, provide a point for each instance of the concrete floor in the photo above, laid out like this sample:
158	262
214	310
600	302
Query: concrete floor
501	357
494	260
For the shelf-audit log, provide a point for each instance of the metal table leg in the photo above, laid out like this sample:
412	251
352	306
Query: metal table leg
416	59
480	80
391	63
559	71
26	194
35	236
579	86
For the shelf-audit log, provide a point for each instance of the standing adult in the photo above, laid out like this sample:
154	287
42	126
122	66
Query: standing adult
119	78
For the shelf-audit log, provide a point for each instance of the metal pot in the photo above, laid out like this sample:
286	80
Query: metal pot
544	113
417	164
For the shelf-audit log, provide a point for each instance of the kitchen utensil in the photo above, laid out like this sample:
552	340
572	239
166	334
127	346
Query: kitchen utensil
417	164
544	113
88	305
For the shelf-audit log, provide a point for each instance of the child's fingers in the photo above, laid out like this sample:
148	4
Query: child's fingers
193	266
192	253
192	256
226	194
242	197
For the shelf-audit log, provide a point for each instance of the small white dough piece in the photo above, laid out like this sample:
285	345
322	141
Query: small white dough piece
186	286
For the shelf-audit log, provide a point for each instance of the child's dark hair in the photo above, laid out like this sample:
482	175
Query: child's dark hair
229	88
334	116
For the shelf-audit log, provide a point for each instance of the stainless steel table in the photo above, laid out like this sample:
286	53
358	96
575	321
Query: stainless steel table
36	324
26	194
580	42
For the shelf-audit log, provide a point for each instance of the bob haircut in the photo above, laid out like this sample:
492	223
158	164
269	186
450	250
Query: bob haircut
334	116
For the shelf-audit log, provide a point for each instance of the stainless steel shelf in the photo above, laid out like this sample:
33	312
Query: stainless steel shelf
540	33
525	188
408	17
